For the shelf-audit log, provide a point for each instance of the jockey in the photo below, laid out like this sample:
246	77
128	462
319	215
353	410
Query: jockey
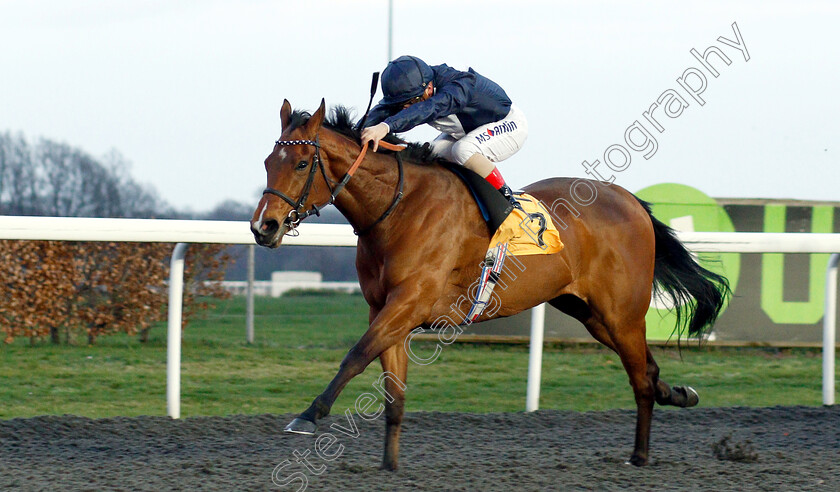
478	123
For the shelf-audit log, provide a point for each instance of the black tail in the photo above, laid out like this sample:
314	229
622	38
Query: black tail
697	294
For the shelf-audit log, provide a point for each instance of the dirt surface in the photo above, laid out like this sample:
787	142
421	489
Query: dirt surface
780	448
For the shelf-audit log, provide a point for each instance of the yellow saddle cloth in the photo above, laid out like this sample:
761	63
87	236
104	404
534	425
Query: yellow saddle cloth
521	230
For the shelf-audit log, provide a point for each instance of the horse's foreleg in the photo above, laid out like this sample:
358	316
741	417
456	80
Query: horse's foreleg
395	364
392	324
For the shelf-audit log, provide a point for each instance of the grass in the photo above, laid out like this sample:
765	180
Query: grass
301	340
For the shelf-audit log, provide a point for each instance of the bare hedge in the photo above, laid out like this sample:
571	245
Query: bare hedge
69	290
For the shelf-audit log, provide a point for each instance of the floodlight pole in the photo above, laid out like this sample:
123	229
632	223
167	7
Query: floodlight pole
390	29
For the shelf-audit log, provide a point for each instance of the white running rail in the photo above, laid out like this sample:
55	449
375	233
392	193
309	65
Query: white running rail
230	232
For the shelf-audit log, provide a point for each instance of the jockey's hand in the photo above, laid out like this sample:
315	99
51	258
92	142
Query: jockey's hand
375	134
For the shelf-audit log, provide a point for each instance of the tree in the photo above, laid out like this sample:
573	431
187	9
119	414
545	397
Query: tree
55	179
18	184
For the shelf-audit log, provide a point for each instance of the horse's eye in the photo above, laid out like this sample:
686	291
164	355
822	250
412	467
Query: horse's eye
302	165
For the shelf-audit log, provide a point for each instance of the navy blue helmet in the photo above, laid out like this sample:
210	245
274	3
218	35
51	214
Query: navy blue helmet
404	78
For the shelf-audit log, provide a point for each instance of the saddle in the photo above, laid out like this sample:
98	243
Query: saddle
524	229
531	231
494	207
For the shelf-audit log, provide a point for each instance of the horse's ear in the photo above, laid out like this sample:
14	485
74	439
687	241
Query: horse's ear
285	113
317	119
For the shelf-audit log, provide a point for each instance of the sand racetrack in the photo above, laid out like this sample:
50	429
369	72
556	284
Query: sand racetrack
779	448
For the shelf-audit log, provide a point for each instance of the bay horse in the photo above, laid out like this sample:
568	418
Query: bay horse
422	240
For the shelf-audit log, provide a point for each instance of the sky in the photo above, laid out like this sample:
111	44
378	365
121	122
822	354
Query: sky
190	92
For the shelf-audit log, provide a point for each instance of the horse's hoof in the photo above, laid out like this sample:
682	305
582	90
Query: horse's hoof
301	426
637	461
691	396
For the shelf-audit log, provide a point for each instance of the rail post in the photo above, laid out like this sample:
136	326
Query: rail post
830	329
249	300
532	397
173	331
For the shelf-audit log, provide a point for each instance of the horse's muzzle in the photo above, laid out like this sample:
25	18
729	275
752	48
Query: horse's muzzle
268	233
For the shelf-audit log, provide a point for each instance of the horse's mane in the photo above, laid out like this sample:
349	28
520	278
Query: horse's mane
341	120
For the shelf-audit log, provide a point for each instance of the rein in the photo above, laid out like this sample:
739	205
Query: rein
298	212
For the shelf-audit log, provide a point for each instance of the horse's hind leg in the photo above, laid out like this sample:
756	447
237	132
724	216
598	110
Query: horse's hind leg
678	396
631	346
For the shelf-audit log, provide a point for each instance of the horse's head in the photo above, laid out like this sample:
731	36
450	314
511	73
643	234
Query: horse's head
293	184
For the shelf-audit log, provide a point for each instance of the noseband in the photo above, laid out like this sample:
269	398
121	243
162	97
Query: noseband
298	212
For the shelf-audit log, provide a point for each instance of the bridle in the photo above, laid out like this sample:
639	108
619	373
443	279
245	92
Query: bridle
298	212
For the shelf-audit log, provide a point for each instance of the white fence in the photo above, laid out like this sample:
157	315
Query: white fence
268	288
226	232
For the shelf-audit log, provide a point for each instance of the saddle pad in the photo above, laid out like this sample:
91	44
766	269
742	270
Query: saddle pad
494	207
521	230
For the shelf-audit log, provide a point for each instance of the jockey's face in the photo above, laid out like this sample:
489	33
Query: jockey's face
430	90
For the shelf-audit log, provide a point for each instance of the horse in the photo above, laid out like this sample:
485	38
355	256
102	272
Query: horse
421	242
